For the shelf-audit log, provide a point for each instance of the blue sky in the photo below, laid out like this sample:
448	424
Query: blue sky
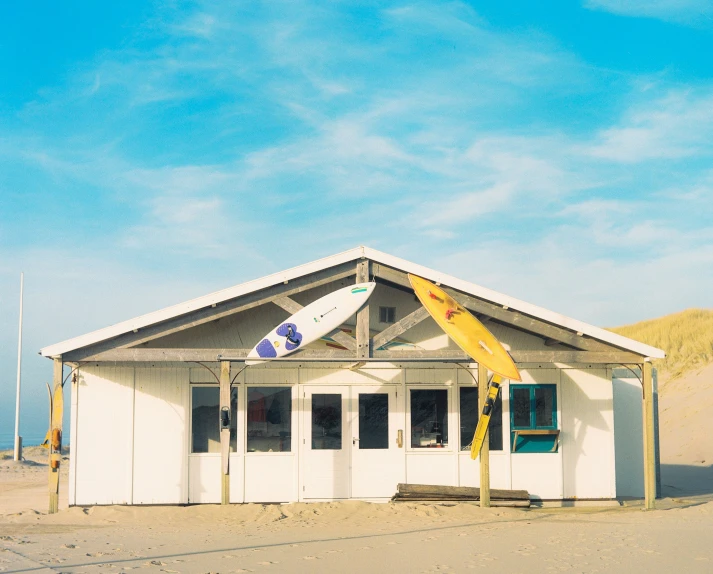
559	152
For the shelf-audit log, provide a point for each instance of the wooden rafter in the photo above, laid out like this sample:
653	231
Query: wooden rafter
398	328
507	316
208	314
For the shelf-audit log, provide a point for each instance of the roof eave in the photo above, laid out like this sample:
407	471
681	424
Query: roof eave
646	351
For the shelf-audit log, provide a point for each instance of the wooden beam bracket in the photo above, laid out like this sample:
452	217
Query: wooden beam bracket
398	328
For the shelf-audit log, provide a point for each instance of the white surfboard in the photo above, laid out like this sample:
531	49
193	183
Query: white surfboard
310	323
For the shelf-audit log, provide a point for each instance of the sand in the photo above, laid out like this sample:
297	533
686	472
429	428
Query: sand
686	433
398	537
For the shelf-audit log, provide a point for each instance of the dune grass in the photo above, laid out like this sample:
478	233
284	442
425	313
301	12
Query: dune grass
687	338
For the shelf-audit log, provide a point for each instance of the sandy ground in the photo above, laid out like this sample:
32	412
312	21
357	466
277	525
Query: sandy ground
686	433
343	536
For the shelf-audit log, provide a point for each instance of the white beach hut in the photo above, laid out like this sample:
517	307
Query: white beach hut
388	400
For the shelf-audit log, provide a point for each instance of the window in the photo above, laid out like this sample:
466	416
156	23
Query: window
533	416
373	421
387	314
205	419
326	421
469	414
269	426
429	418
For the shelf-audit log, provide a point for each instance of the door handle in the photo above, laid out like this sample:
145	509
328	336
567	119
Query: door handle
355	440
400	438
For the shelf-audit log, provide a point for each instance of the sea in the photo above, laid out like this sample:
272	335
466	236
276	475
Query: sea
7	440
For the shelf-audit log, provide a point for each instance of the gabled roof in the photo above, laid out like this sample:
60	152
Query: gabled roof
344	257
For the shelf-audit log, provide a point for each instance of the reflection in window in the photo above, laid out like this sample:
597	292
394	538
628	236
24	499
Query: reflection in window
469	413
205	419
373	421
520	405
233	419
326	421
544	398
269	425
429	418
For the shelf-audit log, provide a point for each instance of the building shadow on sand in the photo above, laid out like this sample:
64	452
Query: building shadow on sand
686	480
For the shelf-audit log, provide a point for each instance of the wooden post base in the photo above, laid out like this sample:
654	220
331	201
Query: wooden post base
54	503
225	490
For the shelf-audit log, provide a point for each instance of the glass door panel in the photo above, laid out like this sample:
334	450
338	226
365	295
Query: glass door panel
373	421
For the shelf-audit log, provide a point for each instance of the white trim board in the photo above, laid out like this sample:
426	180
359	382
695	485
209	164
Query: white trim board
361	252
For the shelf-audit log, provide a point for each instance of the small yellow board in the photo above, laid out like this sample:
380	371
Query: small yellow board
465	330
484	418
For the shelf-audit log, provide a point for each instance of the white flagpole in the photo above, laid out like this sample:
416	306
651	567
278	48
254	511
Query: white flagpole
18	438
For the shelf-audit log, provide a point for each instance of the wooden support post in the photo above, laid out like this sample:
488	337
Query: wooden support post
225	431
649	438
55	443
362	326
485	450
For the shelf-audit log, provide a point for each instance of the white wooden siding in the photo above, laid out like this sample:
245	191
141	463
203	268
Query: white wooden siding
161	436
587	434
104	435
628	437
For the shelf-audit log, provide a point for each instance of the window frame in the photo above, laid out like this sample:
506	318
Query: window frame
235	418
533	426
451	420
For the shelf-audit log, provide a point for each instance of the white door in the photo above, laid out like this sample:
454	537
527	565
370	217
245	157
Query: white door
378	463
326	447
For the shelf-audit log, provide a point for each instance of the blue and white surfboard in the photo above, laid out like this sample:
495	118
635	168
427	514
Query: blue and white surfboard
311	322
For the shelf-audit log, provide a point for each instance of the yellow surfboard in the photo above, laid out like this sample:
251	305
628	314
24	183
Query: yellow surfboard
55	444
465	330
484	420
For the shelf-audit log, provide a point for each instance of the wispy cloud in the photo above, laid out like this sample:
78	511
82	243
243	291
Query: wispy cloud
689	12
676	125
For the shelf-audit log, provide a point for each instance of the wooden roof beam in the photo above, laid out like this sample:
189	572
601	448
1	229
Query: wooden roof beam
503	315
150	355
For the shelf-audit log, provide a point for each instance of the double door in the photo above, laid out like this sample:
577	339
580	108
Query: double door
353	445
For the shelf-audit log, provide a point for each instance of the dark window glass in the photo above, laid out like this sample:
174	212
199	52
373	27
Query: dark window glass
205	419
469	414
373	420
387	314
269	416
496	424
521	407
233	419
429	418
326	421
544	398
